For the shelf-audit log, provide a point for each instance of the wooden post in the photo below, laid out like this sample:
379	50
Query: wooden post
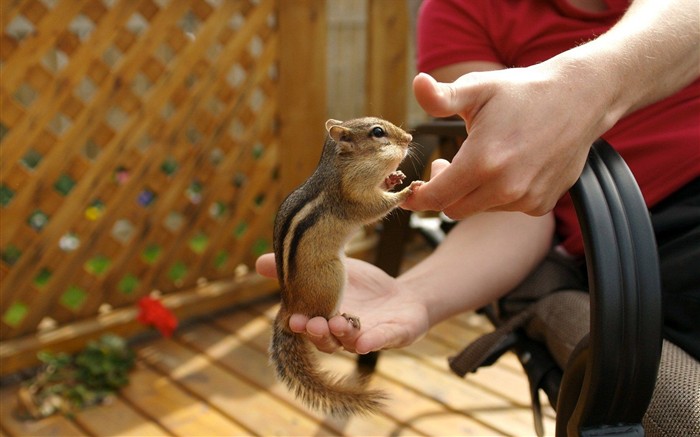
387	27
387	34
302	98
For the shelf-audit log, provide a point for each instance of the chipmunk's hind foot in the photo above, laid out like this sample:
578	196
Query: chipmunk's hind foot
353	320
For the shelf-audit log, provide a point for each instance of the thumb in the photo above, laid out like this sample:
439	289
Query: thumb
265	265
437	98
438	166
439	192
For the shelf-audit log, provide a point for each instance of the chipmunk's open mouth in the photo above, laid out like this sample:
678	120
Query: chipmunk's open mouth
396	177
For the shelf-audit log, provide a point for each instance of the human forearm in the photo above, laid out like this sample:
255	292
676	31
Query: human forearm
651	53
483	258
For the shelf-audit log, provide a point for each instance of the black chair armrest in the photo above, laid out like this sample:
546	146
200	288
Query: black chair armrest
611	377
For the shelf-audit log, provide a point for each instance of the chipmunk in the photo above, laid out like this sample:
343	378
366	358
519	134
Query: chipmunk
349	188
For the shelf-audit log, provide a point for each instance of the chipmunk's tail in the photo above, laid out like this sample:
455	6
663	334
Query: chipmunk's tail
297	366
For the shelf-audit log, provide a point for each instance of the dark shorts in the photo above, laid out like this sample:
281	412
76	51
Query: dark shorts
676	223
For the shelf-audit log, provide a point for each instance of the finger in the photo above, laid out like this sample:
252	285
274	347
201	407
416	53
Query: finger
438	166
297	323
318	333
344	332
441	99
481	199
531	204
488	198
525	206
265	265
442	190
380	339
371	342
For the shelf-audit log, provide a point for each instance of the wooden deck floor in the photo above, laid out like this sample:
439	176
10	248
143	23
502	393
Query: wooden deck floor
213	379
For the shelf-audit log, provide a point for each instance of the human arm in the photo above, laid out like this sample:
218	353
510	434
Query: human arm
483	257
530	129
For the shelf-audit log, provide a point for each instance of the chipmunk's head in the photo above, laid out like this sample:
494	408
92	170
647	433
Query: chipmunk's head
362	135
370	146
369	136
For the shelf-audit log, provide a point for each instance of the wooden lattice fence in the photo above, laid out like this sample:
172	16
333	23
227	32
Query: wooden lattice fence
140	147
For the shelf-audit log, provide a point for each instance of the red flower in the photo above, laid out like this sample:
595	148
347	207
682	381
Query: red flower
153	313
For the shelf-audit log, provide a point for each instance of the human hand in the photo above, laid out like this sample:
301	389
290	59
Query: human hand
389	317
530	130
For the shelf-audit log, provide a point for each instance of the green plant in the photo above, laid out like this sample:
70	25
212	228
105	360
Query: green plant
66	383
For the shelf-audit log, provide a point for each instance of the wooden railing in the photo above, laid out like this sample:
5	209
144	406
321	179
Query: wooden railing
145	146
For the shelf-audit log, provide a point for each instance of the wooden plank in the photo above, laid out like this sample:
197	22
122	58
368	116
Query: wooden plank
387	59
302	88
458	395
454	334
236	398
102	102
510	385
8	10
21	353
192	168
53	426
346	60
473	320
31	50
247	325
174	409
404	404
183	81
230	352
260	130
48	103
457	336
501	406
446	422
235	347
499	379
117	418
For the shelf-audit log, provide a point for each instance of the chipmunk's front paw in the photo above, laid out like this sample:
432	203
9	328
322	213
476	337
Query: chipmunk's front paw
394	179
414	186
404	194
354	320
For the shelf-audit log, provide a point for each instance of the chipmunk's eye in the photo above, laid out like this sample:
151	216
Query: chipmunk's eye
378	132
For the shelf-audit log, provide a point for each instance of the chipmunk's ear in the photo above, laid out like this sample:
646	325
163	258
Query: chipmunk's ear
331	122
339	134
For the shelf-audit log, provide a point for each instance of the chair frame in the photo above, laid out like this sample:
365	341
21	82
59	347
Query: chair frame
619	360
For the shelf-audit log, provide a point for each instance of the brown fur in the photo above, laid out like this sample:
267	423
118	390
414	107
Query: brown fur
348	189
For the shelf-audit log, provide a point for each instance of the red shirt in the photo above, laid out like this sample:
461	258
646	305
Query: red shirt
660	143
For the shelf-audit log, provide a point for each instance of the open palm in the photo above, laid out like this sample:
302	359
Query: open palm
390	317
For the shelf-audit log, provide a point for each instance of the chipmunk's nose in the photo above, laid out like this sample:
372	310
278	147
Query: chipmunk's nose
410	137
